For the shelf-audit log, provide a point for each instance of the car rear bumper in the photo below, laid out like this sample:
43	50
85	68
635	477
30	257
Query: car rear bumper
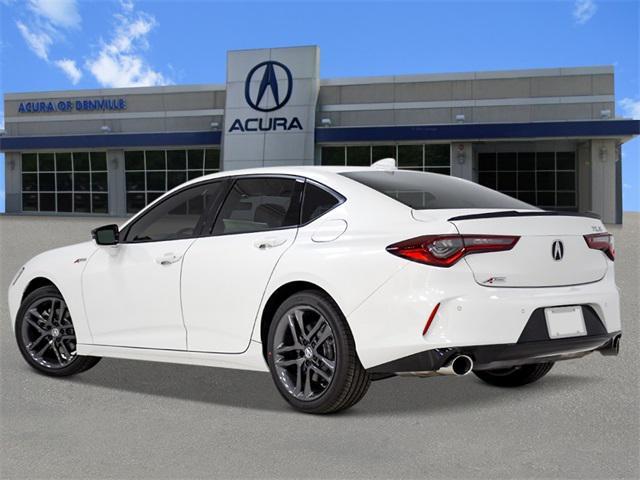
487	357
389	325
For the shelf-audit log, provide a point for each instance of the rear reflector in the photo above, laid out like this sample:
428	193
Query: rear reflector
603	242
446	250
430	319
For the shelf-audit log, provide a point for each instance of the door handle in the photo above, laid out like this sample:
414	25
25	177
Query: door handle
168	259
269	243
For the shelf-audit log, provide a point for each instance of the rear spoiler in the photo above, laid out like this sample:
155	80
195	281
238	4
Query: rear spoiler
515	213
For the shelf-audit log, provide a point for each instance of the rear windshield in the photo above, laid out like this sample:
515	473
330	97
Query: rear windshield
422	191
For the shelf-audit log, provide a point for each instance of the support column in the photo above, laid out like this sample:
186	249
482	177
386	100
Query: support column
603	179
117	186
13	182
462	160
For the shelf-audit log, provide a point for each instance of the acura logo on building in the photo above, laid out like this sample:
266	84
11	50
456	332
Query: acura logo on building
274	78
557	250
280	88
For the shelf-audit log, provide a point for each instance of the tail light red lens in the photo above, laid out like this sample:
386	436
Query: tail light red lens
603	242
446	250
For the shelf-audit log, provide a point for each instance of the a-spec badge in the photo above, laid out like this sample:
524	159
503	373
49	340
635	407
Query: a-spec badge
494	280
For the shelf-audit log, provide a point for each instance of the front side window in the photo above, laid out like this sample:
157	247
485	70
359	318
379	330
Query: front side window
317	201
179	216
423	191
259	204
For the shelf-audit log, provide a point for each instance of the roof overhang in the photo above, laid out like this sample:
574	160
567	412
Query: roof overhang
620	129
110	140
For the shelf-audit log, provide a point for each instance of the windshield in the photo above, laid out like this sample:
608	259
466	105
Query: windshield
423	191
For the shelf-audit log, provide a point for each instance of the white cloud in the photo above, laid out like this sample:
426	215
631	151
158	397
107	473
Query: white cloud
70	68
120	61
631	107
583	10
61	13
38	42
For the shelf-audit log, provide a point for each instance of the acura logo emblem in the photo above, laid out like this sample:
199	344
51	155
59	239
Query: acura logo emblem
557	250
272	80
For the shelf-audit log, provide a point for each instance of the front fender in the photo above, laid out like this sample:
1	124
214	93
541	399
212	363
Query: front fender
63	267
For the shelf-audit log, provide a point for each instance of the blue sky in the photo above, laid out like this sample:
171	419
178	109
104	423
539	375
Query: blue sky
62	44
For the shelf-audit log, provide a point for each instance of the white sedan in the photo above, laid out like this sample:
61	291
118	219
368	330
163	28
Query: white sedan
329	278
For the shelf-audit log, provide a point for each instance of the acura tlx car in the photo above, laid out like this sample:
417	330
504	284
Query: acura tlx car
329	278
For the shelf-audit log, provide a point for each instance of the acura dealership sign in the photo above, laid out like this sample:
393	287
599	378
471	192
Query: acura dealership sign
272	94
270	107
79	105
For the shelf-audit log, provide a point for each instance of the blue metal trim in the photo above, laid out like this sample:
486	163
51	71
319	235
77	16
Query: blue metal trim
586	128
111	140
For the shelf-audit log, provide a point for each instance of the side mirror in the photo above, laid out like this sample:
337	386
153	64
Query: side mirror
106	235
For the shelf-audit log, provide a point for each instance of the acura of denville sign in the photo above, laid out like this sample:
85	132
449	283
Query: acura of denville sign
280	92
79	105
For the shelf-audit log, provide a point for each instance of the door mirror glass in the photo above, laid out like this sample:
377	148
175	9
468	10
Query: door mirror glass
106	235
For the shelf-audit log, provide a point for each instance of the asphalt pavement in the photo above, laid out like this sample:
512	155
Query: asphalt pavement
128	419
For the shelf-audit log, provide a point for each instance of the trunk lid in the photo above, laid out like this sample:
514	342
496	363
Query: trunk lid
535	261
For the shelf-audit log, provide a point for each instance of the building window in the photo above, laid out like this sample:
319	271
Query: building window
65	182
150	173
544	179
420	157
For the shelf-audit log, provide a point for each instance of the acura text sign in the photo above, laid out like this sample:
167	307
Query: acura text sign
78	105
270	107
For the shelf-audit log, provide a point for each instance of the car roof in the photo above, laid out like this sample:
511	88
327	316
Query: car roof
321	173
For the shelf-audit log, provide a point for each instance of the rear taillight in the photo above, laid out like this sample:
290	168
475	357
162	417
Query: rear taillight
446	250
603	242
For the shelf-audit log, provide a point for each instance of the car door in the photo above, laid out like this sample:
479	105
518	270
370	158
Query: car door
132	290
224	275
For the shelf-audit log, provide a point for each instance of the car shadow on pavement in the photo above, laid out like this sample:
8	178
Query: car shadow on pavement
255	390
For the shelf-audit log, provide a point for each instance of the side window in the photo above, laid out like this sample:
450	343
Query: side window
177	217
317	201
258	204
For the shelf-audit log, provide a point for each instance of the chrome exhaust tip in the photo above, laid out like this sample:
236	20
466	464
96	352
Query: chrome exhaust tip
459	366
612	347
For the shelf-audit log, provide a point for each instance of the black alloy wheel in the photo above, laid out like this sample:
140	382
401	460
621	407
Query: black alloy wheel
312	357
46	336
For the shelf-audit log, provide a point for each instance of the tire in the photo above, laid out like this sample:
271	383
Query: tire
48	344
307	336
515	376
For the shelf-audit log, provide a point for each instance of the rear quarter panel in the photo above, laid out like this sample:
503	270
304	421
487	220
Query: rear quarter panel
354	265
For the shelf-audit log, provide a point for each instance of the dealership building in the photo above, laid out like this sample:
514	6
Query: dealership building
549	137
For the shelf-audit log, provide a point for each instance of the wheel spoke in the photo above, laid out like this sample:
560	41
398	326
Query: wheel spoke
287	363
63	310
37	314
331	365
55	350
44	349
32	345
321	373
291	348
324	333
296	389
300	321
52	312
314	331
65	351
35	325
294	333
307	384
